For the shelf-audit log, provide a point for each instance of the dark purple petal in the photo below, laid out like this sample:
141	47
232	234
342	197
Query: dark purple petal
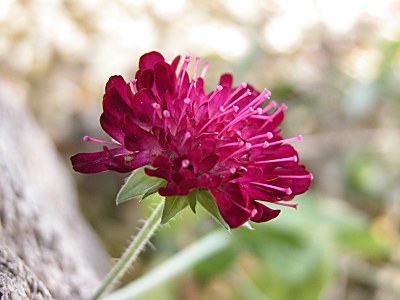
112	128
263	213
175	63
226	80
234	206
165	80
88	163
148	60
126	162
208	163
114	104
142	108
145	80
118	82
138	139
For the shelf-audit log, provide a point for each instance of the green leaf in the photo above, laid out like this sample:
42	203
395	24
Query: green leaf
208	202
192	201
172	206
138	186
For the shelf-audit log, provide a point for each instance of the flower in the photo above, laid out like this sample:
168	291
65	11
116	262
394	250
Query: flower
226	141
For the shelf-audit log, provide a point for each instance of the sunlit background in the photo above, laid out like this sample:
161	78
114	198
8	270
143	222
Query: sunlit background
335	63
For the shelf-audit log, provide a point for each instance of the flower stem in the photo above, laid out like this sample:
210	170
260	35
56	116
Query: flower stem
132	252
184	260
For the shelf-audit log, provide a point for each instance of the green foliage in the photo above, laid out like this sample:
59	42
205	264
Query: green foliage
173	205
207	201
139	186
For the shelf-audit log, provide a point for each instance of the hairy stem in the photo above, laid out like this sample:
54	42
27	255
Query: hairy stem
132	252
184	260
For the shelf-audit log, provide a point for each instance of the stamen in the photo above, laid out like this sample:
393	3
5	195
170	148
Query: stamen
292	205
270	105
196	65
87	138
258	100
296	138
205	68
243	85
134	86
264	145
245	94
183	70
291	158
308	176
185	163
166	114
287	191
186	102
271	117
216	116
216	91
237	152
268	135
186	136
157	110
239	118
234	144
192	84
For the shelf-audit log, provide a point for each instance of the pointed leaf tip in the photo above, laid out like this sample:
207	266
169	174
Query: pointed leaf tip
139	186
209	204
172	206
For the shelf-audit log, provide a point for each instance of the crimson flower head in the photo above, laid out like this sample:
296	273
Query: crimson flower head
226	142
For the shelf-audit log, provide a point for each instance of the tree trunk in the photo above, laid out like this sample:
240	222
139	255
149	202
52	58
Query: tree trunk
47	250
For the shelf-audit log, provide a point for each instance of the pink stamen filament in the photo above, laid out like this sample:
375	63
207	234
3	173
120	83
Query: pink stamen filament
257	100
237	152
87	138
196	66
271	117
205	68
287	191
291	158
243	85
270	105
186	136
291	205
267	135
262	145
216	91
134	87
239	118
183	70
234	144
157	109
185	163
308	176
296	138
245	94
216	116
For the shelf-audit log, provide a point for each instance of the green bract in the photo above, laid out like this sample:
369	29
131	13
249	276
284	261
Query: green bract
139	186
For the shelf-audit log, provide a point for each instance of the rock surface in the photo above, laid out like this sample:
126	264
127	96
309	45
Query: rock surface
47	249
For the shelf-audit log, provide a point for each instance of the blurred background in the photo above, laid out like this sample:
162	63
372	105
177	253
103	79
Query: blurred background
336	64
